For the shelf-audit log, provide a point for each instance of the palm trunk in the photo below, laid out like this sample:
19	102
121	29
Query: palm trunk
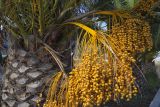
24	77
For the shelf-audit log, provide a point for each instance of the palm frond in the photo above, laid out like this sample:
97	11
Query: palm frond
125	4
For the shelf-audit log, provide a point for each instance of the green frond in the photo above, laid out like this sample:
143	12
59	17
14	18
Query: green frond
125	4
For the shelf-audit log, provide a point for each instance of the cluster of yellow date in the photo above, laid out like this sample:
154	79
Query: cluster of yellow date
95	80
133	35
144	6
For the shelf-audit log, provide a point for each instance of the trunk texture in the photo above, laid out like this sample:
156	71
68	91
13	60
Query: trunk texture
24	77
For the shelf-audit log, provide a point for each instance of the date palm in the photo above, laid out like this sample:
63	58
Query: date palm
33	27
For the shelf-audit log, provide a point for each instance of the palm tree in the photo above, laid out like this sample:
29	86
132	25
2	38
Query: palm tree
34	27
